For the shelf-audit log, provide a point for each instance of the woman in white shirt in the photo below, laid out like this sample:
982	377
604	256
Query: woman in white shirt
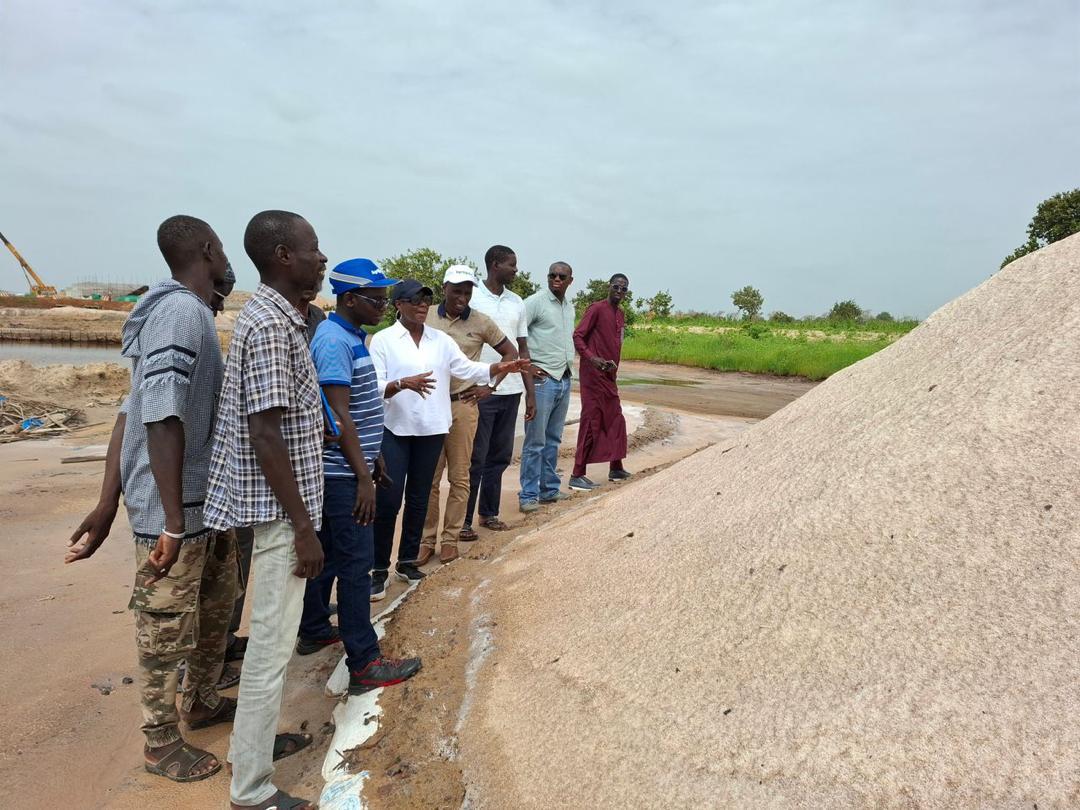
414	364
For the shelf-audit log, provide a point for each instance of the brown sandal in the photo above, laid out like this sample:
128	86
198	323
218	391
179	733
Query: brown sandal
467	534
494	524
178	764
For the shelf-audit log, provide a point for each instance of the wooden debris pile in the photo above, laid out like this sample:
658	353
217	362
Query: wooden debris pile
31	419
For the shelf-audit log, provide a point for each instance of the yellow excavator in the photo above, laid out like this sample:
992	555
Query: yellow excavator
37	286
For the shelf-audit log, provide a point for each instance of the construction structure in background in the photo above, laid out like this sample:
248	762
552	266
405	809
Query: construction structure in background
37	285
106	290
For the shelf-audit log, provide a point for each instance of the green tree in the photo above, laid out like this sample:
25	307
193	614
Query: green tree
781	317
428	266
597	290
1055	218
749	301
884	316
845	311
659	306
423	264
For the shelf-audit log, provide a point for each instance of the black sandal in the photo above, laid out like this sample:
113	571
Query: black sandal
236	650
230	677
282	743
224	713
186	758
282	801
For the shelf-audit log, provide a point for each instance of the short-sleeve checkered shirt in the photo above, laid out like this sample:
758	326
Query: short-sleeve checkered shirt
269	366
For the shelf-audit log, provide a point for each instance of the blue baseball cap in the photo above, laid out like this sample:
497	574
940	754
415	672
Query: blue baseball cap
356	273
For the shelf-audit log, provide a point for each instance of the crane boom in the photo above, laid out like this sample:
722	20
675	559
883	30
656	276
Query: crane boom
37	285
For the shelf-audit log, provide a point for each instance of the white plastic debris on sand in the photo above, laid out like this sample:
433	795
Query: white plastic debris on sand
356	719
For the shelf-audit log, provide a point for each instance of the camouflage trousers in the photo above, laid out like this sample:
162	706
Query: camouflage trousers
184	616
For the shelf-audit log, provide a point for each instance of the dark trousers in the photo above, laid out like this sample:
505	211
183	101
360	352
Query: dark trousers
410	463
493	448
349	549
245	539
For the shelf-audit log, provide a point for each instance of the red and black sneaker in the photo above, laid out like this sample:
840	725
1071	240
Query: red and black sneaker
382	672
307	646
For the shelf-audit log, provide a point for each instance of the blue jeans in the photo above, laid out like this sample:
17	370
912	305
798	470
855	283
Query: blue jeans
349	549
543	435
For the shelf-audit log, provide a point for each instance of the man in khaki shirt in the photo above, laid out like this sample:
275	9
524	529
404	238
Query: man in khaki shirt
471	330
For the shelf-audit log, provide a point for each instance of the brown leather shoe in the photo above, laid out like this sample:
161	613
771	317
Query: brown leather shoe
426	553
448	552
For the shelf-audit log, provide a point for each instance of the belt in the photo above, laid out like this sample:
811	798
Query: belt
455	397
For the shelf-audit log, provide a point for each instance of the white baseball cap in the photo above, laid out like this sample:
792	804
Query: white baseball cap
457	273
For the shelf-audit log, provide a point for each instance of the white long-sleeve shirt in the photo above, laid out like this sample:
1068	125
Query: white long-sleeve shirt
395	355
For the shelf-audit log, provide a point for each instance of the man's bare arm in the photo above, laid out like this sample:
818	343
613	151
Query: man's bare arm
272	453
96	526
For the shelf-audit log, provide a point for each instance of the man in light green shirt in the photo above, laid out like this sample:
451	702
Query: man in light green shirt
550	317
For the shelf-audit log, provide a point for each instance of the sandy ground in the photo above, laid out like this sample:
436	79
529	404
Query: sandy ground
70	740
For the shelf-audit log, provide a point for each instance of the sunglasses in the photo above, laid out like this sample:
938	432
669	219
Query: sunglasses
419	300
378	303
619	287
561	276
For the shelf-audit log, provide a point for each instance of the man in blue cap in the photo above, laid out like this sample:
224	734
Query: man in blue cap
351	468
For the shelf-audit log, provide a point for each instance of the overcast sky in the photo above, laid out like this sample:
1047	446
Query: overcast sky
890	152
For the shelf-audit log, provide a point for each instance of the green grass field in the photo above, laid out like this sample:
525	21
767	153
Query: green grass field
900	327
741	350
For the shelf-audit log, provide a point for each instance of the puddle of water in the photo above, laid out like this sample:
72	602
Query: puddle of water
46	354
656	381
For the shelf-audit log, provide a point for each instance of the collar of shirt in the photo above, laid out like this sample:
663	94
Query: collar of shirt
464	316
552	297
399	331
482	288
279	301
348	327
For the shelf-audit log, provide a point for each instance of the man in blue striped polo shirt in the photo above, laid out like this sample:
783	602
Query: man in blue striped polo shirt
348	380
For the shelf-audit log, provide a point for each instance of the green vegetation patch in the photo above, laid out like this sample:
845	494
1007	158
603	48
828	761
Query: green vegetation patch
760	351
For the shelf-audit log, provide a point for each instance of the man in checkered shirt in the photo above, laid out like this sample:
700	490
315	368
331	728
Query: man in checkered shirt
266	472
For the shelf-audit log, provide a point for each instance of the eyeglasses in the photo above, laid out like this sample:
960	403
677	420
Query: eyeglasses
619	287
561	276
378	303
420	299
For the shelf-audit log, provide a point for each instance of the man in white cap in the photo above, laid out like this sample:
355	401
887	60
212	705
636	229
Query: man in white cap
472	331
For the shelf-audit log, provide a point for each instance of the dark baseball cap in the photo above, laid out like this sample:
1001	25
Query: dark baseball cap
408	288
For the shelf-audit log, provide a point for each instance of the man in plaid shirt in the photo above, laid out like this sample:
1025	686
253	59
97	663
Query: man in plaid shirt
266	472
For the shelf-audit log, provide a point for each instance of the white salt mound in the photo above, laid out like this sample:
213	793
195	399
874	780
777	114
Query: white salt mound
871	599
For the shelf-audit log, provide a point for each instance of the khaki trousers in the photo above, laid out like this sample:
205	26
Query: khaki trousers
456	458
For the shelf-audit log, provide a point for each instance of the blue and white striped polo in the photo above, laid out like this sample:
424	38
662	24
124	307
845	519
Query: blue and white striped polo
342	359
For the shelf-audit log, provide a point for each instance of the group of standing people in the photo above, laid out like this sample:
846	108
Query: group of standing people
303	444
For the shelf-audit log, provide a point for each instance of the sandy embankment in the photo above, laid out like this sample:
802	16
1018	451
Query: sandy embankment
870	599
67	627
78	325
